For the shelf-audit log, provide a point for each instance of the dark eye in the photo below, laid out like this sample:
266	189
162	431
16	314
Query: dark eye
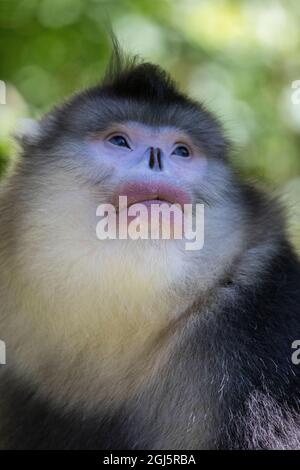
181	151
119	140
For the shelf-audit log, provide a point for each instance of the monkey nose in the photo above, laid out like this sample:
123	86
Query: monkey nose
155	159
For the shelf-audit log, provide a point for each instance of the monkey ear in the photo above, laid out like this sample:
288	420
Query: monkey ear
28	132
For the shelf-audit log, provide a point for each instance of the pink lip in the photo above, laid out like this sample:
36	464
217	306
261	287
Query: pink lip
152	193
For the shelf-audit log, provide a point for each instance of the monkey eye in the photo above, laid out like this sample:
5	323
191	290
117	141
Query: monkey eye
119	141
181	151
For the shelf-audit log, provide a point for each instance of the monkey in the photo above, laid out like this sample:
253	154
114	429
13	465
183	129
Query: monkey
142	344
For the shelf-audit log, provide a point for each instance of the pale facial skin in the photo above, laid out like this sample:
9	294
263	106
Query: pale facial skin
154	165
174	158
133	141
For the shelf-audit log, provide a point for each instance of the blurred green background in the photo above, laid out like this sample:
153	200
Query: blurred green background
239	57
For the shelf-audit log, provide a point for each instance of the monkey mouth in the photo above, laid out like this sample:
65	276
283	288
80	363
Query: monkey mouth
150	202
151	193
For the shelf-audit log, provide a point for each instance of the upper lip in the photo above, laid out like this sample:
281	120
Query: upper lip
139	191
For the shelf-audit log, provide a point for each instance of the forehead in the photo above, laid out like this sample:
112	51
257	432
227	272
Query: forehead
93	112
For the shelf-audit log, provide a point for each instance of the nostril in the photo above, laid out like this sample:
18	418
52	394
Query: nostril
159	159
155	158
152	158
